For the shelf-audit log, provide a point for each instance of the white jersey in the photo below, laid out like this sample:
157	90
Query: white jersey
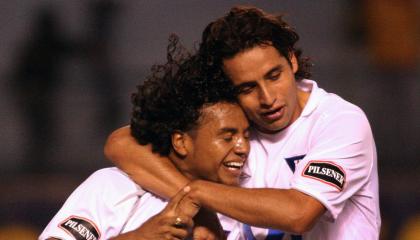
328	153
107	204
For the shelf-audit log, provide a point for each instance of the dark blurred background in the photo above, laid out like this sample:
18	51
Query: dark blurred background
67	69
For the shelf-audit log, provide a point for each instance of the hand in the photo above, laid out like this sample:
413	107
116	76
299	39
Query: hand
170	223
187	206
207	226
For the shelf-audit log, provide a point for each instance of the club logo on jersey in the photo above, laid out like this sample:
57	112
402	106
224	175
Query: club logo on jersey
80	228
293	161
326	172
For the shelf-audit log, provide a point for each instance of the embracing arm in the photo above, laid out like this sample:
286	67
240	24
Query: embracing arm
285	209
150	170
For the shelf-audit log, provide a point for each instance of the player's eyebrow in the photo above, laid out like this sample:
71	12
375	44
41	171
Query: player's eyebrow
278	68
252	83
245	85
228	129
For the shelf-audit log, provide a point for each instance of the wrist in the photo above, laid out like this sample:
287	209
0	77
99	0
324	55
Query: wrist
197	191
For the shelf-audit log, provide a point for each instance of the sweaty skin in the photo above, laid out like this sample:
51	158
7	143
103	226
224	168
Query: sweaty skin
214	150
217	149
268	92
272	101
153	172
285	209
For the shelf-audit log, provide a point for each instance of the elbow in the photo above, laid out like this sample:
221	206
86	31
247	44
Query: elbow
304	212
300	223
300	227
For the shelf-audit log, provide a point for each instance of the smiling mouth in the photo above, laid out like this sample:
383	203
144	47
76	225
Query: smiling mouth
234	166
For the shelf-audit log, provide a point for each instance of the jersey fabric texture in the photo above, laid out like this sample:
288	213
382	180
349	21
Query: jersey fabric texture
328	153
107	204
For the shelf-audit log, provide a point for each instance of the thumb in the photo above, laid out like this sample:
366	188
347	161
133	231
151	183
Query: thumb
175	200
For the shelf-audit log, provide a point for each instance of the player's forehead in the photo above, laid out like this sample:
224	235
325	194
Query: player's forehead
222	116
253	63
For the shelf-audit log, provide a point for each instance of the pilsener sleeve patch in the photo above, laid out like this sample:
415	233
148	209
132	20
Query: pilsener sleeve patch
326	172
80	228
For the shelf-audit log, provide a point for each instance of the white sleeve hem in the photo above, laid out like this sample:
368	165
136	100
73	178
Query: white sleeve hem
301	188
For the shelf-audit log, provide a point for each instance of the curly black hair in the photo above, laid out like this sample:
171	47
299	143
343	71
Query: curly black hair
172	97
246	27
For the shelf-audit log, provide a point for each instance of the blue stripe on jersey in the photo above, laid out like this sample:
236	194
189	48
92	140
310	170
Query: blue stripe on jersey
248	232
274	234
291	161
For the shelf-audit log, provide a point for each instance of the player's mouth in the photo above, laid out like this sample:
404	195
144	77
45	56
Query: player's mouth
272	115
234	167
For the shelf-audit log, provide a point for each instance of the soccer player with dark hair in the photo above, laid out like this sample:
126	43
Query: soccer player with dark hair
203	132
313	158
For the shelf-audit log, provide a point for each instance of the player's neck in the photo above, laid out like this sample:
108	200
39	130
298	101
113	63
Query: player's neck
182	165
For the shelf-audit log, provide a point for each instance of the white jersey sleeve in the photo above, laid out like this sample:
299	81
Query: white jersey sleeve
94	210
339	160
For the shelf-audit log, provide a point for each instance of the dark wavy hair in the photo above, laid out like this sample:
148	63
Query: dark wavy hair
172	97
246	27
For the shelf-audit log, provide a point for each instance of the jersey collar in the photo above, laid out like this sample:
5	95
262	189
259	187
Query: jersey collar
315	97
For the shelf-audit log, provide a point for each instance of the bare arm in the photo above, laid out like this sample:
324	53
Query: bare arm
285	209
151	171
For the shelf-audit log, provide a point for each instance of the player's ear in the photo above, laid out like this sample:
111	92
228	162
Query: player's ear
294	62
180	143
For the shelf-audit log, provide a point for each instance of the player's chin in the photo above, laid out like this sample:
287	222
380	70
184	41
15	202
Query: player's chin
272	127
229	175
230	181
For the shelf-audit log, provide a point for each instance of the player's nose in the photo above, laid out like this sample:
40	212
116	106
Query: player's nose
242	147
265	97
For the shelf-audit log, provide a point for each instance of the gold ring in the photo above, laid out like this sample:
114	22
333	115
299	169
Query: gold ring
178	222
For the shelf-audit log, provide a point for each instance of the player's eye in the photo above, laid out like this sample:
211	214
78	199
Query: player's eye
228	137
246	134
274	77
247	89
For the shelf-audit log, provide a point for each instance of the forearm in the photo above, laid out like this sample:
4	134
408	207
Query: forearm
288	210
151	171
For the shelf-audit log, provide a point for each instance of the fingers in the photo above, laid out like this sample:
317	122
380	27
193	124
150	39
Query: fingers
182	205
178	214
178	222
187	207
156	228
175	200
183	221
179	227
179	233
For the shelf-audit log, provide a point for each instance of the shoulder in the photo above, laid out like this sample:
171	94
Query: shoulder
110	184
107	177
335	111
325	107
332	103
340	126
333	122
98	206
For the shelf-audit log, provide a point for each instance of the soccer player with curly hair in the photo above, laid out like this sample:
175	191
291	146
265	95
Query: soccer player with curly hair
313	161
204	133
